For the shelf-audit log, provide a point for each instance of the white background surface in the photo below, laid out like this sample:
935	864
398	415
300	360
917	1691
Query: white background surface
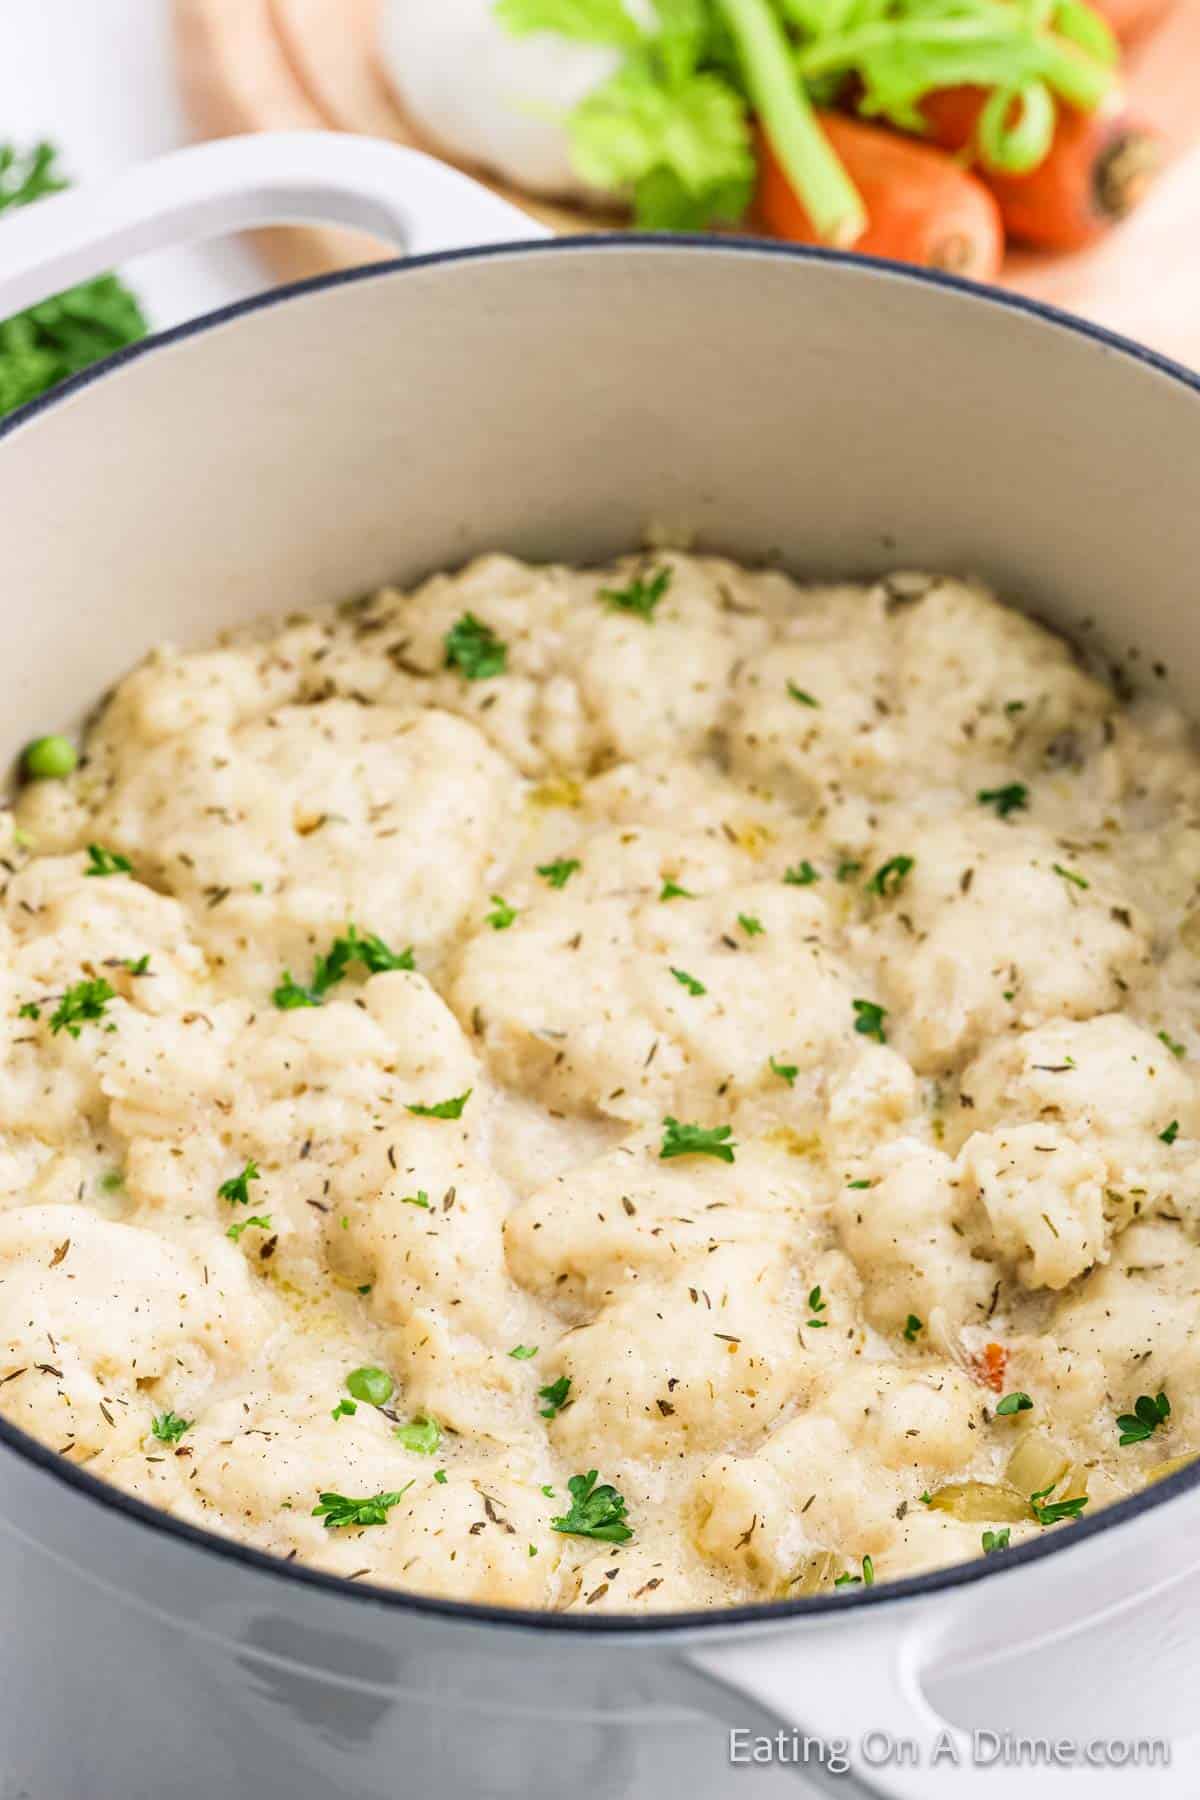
97	77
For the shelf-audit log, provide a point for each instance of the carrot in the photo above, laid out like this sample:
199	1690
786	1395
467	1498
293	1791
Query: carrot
989	1366
1132	19
921	206
1099	168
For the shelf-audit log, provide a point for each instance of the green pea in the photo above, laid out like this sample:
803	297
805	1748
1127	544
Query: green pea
374	1386
50	759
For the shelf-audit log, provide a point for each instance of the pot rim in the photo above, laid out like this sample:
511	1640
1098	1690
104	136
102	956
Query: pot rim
708	1622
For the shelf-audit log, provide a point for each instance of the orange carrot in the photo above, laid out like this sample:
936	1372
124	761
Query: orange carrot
989	1366
1099	169
921	206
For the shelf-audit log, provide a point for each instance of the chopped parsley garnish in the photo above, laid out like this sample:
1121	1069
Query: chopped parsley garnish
345	1409
696	1140
558	873
641	596
862	1182
168	1427
81	1005
596	1512
139	965
420	1198
816	1305
1013	1403
338	1512
260	1221
374	1387
1010	799
866	1579
1149	1412
800	875
369	950
671	890
445	1109
1070	875
555	1396
1057	1510
996	1540
689	982
439	1475
912	1325
890	878
106	862
422	1435
785	1071
522	1352
869	1020
501	915
1170	1134
1173	1045
237	1189
847	869
474	648
800	695
30	1010
750	925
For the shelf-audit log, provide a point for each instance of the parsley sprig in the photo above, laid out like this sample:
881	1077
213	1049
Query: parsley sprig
596	1512
1149	1412
868	1019
444	1109
641	597
555	1396
83	1004
696	1140
368	950
339	1512
168	1427
473	647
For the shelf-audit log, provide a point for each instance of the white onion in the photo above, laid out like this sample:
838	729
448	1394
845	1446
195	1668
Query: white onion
485	97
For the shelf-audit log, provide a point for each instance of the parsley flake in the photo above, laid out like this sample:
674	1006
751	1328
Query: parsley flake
869	1020
750	925
800	695
1149	1412
689	982
671	890
912	1325
555	1396
866	1579
237	1189
168	1427
1057	1510
339	1512
261	1222
800	875
345	1409
1173	1045
1070	875
890	878
106	862
560	872
420	1198
439	1475
641	596
423	1435
817	1305
785	1071
374	1387
847	869
1170	1134
501	915
522	1352
596	1512
996	1540
1013	1403
474	648
696	1140
445	1109
369	950
1010	799
81	1005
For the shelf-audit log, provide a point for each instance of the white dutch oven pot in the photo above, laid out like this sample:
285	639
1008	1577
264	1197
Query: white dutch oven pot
553	399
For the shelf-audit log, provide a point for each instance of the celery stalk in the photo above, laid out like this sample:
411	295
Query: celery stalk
830	197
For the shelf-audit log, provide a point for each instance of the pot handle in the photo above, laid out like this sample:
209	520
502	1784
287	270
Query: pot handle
235	184
848	1697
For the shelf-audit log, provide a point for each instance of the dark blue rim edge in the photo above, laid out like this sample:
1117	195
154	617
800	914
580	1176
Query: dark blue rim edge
709	1622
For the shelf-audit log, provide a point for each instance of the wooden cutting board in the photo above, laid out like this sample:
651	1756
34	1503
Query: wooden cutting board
287	65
